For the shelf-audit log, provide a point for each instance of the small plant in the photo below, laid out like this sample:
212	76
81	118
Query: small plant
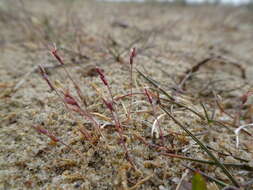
159	108
131	62
114	113
198	182
74	105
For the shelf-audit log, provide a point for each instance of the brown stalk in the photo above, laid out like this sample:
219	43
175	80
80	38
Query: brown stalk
131	62
115	116
77	88
68	99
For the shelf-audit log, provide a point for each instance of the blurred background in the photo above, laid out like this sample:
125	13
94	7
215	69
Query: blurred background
232	2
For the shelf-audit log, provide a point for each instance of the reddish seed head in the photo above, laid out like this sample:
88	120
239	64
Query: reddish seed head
99	72
132	55
41	130
109	105
133	52
45	77
102	76
148	95
244	98
55	54
70	99
53	138
45	132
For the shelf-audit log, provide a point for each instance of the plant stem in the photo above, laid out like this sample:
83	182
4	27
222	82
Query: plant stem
223	168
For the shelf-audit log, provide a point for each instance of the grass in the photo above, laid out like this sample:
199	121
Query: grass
117	131
154	100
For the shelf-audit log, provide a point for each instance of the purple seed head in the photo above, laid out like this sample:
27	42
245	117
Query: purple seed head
244	97
148	96
132	55
102	76
41	130
45	77
55	54
108	105
70	99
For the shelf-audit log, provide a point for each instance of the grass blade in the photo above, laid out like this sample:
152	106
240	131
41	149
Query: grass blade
171	99
245	167
202	146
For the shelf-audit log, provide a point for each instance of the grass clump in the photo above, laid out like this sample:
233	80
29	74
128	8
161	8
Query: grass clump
158	99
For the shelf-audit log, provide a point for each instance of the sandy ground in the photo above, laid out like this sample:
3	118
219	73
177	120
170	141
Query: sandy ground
170	39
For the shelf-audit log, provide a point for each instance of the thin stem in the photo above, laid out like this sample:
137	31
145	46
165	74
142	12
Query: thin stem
234	165
115	114
131	62
171	99
223	168
131	91
77	88
79	110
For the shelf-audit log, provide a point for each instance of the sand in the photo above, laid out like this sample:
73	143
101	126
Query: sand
170	39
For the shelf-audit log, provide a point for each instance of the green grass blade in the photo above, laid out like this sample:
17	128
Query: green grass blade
245	167
202	146
152	81
171	99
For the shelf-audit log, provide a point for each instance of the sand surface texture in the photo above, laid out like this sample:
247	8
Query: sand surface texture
199	55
